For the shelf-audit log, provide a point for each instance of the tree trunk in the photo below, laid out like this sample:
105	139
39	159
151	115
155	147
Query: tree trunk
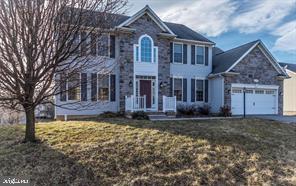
30	125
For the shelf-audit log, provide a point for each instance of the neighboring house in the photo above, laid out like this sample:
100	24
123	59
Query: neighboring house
161	64
290	89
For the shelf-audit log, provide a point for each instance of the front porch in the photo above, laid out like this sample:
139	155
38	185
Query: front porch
141	103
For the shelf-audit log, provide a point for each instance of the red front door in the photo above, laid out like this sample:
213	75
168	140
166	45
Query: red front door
145	89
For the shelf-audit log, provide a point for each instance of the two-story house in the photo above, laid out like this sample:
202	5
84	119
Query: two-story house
160	64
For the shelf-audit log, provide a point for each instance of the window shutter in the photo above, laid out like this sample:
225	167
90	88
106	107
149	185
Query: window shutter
171	52
63	87
206	91
93	46
171	87
112	46
94	87
192	90
193	54
207	56
184	90
83	86
83	44
112	87
184	54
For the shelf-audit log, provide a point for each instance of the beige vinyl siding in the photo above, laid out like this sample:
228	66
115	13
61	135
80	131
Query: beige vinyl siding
290	94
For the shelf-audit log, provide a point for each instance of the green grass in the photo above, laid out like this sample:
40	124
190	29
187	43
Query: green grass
127	152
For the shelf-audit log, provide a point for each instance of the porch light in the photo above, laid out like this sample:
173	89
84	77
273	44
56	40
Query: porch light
130	84
163	84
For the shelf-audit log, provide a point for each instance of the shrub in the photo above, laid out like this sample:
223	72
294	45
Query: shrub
204	110
225	111
140	115
186	109
109	114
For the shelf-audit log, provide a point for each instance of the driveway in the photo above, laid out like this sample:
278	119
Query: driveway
283	119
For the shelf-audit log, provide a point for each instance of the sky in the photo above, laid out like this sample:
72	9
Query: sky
230	23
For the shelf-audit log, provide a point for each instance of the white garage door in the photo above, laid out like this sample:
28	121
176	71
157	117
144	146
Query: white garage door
258	101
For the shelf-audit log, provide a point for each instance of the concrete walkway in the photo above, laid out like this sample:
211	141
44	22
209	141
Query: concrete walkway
283	119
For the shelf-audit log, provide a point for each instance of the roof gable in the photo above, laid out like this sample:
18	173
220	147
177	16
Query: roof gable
226	61
147	10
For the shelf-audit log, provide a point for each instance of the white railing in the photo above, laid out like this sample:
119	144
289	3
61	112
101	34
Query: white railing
135	103
169	104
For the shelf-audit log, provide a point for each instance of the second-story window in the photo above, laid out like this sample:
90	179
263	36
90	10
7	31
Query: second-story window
178	53
200	55
146	49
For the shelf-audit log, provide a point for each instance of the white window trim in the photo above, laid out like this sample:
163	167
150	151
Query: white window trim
204	80
109	87
204	56
173	93
178	43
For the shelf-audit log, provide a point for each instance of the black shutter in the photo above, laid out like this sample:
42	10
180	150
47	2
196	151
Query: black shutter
192	90
112	87
193	54
184	54
207	56
63	87
94	87
93	47
171	52
184	90
112	46
171	87
83	86
206	91
83	44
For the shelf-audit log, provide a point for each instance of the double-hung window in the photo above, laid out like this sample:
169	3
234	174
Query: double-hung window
178	51
178	90
74	87
103	87
200	55
199	90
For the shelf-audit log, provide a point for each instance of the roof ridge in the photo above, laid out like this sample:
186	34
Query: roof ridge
238	47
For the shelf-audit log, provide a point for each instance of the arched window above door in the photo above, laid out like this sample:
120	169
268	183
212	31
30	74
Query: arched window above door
145	51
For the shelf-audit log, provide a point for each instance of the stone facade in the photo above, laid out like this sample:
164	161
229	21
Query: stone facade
254	66
143	25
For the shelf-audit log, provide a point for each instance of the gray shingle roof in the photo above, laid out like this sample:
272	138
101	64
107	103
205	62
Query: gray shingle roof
217	50
290	66
223	61
94	18
183	32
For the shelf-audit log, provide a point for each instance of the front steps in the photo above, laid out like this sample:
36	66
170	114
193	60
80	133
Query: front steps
155	116
160	116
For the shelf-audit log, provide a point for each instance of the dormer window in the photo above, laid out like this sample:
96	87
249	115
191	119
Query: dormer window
145	51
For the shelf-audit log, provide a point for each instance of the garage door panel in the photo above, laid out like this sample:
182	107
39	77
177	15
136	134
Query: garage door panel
258	101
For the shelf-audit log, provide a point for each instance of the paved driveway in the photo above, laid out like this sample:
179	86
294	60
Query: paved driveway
284	119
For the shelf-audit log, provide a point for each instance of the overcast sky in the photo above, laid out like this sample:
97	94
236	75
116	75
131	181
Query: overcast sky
230	23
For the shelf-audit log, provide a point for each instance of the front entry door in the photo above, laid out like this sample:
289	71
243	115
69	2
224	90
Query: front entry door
145	89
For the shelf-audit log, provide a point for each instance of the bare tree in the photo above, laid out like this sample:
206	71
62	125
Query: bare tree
38	40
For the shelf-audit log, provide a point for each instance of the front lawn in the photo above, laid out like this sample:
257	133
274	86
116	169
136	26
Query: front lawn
127	152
